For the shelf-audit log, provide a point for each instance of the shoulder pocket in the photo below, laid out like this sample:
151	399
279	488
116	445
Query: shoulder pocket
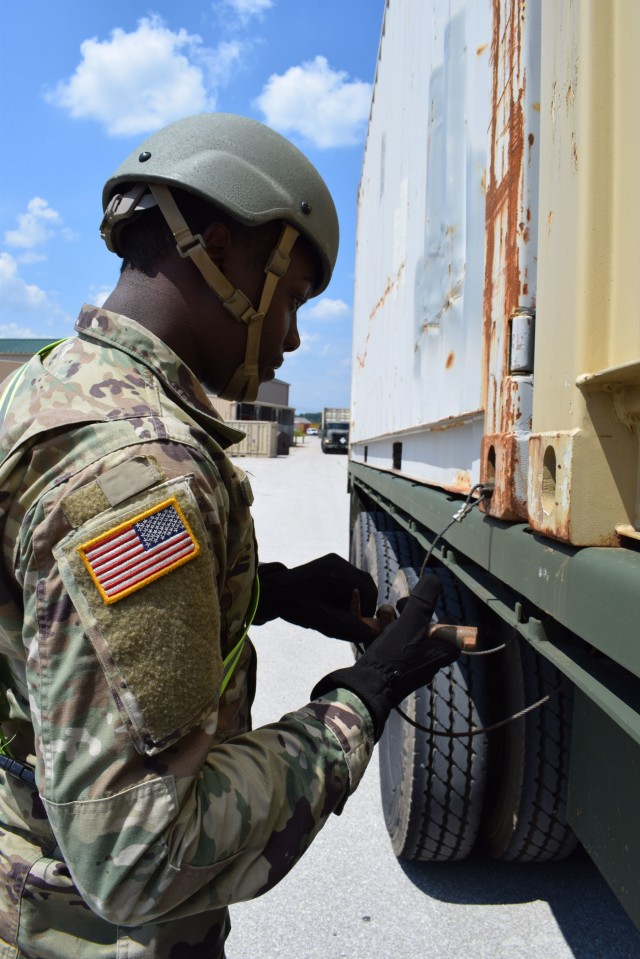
142	579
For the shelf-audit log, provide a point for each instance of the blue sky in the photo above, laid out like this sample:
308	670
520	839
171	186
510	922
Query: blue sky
82	83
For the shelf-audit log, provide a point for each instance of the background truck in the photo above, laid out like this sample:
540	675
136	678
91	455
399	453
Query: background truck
334	431
494	420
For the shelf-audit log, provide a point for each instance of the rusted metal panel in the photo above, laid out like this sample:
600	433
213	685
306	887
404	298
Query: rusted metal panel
511	249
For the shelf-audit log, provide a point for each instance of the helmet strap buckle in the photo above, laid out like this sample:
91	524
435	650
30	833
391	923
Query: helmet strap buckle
121	207
186	241
239	305
278	262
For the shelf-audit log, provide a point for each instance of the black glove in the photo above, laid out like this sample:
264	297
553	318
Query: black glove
318	596
400	661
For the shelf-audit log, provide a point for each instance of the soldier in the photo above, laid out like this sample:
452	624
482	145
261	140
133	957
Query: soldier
136	802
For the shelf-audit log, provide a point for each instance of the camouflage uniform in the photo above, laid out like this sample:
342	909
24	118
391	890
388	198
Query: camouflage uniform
156	805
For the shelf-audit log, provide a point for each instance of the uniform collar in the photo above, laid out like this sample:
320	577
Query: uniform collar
130	337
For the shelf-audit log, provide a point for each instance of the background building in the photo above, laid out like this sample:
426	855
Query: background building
268	422
13	353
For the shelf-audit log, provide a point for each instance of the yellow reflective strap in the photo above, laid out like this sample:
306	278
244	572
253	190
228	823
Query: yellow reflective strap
231	659
50	346
9	393
5	745
5	681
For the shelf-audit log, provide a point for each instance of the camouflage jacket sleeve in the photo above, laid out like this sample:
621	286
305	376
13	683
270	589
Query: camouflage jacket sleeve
161	801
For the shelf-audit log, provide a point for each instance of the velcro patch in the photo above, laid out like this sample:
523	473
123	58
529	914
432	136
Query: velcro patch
133	554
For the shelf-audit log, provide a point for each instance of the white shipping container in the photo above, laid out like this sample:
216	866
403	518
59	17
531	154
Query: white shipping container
420	261
498	205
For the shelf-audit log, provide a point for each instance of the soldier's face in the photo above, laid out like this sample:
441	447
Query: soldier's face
224	346
280	328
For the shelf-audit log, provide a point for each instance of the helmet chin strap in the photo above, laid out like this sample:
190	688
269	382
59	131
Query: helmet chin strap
245	381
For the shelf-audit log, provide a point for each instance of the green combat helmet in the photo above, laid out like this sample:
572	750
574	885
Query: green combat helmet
250	172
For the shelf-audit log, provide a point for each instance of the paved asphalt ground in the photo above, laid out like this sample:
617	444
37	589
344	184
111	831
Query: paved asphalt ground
349	896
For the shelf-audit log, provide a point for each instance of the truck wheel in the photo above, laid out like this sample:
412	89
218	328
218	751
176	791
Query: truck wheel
432	787
365	525
525	812
386	554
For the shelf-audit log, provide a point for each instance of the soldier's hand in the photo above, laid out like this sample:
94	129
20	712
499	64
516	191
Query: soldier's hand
400	661
318	595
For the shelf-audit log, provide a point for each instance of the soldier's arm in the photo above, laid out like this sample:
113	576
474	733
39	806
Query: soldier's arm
159	813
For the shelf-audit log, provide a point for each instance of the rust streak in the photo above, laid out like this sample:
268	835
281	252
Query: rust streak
392	282
450	360
502	283
462	480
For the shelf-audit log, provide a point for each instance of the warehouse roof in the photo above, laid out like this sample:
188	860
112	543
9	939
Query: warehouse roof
24	344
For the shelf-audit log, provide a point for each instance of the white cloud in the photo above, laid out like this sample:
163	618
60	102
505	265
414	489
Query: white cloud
98	294
308	343
15	294
18	298
322	104
221	62
36	226
328	309
245	9
11	331
31	257
137	82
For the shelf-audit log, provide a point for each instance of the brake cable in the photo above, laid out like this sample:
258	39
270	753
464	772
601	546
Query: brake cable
486	490
477	730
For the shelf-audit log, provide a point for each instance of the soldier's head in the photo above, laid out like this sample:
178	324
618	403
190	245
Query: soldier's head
247	209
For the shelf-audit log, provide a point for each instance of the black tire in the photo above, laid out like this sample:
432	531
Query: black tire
386	554
366	523
433	787
525	818
403	582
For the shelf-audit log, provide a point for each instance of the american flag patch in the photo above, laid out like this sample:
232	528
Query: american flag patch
133	554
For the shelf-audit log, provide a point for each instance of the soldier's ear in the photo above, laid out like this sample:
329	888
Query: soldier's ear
217	238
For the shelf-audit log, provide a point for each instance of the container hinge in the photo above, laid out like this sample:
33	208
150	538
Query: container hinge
522	326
